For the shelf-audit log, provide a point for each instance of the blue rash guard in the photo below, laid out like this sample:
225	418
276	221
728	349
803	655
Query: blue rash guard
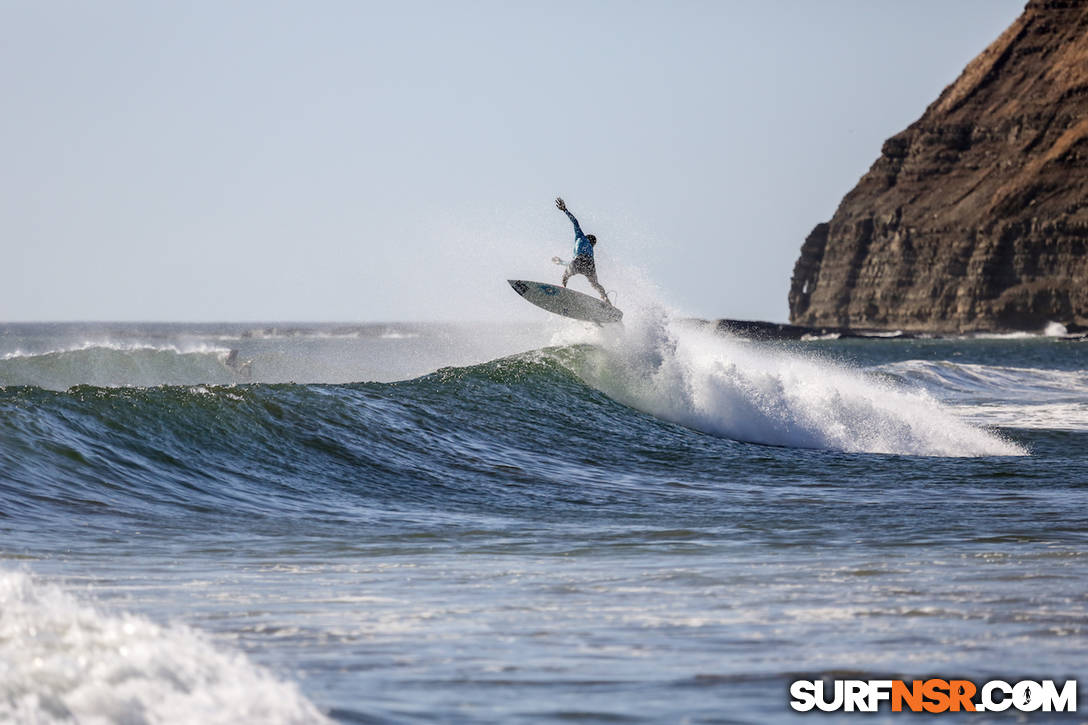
582	247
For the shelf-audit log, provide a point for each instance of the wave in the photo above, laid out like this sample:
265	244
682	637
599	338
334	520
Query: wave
444	440
484	440
116	364
603	408
951	378
487	442
1051	329
748	392
115	346
324	331
1001	395
67	660
222	354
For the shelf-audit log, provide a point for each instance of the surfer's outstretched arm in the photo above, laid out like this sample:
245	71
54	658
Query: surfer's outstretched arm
562	206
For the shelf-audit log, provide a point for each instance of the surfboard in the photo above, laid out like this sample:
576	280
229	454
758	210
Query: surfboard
566	302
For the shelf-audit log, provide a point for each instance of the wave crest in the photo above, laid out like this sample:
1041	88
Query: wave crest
112	364
748	392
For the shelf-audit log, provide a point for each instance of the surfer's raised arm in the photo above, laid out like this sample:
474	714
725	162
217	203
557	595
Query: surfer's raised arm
562	206
583	262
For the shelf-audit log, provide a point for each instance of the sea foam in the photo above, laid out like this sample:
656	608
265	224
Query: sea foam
745	391
64	660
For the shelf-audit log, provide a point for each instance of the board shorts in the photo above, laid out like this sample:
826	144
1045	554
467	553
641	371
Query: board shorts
583	264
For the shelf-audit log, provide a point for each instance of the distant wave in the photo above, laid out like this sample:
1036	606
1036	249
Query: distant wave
117	347
322	332
1000	395
967	378
65	660
114	364
1003	335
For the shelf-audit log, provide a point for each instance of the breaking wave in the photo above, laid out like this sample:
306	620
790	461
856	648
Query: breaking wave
749	392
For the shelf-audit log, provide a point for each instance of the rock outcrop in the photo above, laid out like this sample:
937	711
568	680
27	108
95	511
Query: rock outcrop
976	216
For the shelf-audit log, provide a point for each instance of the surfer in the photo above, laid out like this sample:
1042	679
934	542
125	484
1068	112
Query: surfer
583	254
242	367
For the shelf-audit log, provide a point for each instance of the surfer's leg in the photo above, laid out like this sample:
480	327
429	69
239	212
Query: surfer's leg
570	271
591	275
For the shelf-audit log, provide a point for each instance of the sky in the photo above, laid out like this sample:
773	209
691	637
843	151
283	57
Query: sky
366	161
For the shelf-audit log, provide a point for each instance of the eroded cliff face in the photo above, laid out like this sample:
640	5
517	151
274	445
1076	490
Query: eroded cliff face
976	216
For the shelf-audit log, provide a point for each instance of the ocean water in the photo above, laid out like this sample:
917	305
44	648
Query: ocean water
527	523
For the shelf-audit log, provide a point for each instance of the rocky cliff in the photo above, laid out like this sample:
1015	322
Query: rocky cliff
976	216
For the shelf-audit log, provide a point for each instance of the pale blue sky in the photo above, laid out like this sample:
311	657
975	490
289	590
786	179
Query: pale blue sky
397	161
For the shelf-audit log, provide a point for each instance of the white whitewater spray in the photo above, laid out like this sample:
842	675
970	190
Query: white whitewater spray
745	391
62	660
